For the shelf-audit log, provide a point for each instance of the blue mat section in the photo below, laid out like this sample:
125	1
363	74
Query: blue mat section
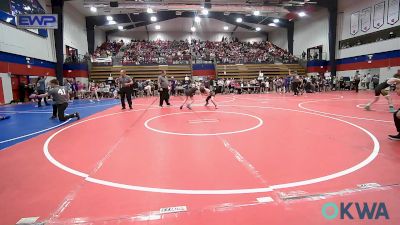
28	121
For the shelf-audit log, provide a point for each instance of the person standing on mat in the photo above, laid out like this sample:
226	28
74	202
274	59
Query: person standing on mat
357	80
396	118
41	89
163	85
60	98
381	90
210	95
189	93
125	89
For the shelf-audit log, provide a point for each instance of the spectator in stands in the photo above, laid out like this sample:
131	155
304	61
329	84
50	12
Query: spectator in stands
156	52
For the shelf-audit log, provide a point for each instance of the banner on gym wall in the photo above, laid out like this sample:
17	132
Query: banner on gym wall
38	21
354	23
365	19
393	11
379	14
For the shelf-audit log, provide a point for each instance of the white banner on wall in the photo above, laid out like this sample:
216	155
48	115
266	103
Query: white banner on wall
379	14
365	19
393	11
354	23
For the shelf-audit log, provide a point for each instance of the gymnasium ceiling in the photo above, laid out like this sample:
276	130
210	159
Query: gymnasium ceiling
131	14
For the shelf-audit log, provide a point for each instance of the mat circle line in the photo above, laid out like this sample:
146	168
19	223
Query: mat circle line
365	162
260	123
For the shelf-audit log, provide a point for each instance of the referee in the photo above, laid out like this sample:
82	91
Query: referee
163	85
125	89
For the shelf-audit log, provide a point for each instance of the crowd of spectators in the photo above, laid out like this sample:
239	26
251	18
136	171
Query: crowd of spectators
229	50
108	49
156	52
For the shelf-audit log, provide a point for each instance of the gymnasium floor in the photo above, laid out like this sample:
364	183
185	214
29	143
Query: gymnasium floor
258	159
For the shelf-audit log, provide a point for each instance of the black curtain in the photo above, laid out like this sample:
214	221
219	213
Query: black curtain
57	8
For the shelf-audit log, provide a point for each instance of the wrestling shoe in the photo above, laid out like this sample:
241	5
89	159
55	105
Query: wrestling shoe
367	107
181	107
206	104
188	106
395	137
391	109
78	117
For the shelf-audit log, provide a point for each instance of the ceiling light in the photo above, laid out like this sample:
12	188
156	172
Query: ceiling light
9	19
226	27
204	11
158	27
258	29
112	22
197	19
150	10
302	14
120	27
153	18
193	29
256	13
239	20
93	9
109	18
276	20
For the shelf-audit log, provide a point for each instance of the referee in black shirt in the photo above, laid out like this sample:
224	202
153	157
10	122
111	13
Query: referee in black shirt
125	89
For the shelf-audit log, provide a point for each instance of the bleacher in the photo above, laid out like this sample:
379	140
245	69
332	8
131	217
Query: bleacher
237	71
147	72
251	71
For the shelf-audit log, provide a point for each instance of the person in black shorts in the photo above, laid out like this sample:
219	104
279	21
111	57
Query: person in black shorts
381	90
163	85
210	96
396	118
60	99
125	89
189	93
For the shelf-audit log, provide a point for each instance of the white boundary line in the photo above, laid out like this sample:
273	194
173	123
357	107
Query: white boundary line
260	123
49	111
360	165
300	105
37	132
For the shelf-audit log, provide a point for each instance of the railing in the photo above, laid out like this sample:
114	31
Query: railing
76	58
188	60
